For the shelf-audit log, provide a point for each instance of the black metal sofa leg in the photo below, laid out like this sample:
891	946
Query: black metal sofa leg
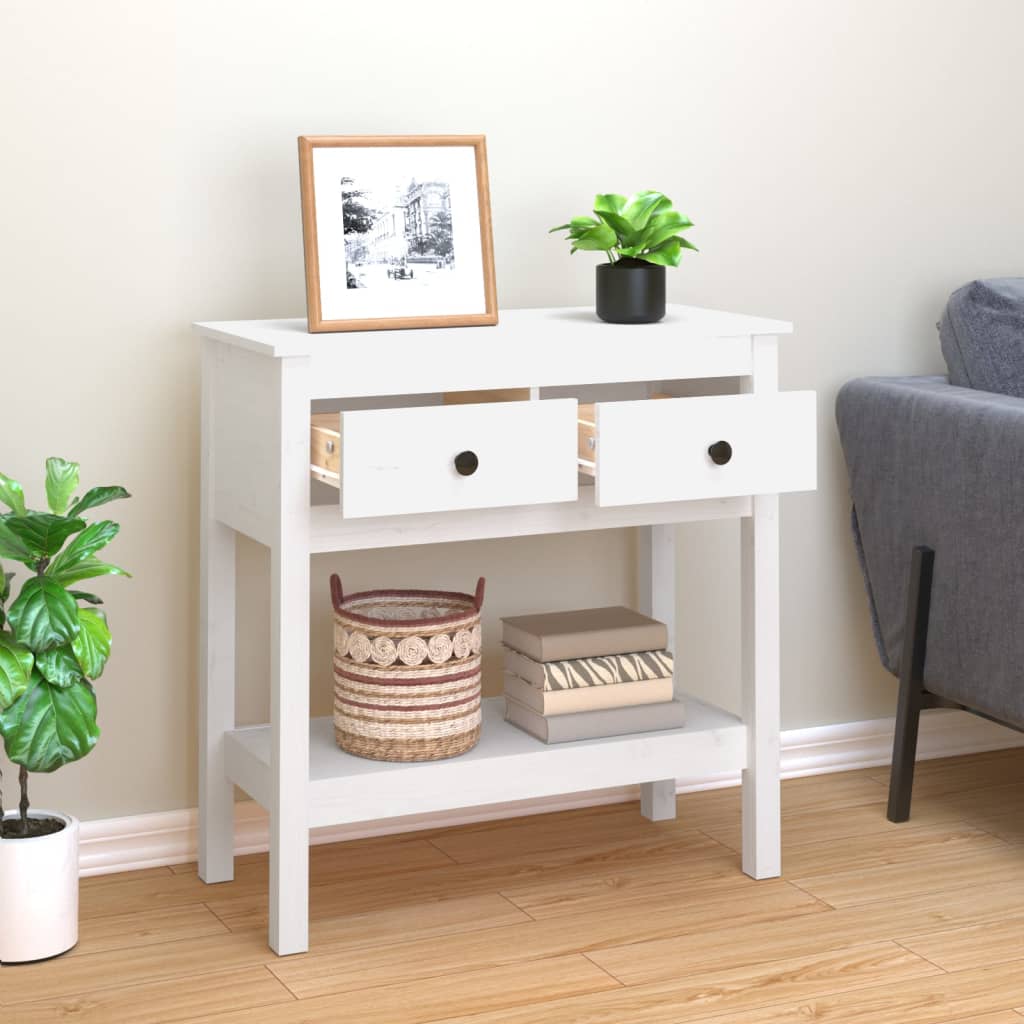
911	695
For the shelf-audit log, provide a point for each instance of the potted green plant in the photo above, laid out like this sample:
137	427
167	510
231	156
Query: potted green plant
54	642
641	235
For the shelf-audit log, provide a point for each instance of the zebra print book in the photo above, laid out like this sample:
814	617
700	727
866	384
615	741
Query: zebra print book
580	672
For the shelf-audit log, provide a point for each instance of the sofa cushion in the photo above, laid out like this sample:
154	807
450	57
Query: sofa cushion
982	336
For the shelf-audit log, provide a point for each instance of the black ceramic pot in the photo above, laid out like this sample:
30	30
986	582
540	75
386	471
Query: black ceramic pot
630	292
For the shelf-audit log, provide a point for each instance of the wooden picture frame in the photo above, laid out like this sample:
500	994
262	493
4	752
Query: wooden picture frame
365	246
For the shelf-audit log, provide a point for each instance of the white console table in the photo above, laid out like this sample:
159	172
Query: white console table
650	467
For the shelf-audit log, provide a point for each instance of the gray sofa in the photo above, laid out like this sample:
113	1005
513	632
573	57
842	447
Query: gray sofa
936	471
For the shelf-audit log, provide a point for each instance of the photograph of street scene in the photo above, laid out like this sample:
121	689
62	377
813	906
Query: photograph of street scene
397	234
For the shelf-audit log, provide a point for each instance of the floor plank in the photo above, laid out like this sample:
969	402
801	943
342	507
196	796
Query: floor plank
381	965
726	946
937	999
124	931
728	993
241	907
974	946
969	861
437	998
161	1002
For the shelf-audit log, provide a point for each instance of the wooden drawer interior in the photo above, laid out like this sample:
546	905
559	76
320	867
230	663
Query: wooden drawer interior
586	428
325	448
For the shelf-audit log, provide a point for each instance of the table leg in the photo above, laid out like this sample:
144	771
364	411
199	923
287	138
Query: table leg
656	586
762	856
289	673
216	656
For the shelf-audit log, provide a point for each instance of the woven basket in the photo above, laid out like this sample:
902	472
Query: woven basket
406	672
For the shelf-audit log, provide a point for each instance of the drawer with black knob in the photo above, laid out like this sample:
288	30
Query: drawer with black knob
440	458
715	446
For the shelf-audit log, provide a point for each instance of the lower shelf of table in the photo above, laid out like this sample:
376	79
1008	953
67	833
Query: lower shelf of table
506	765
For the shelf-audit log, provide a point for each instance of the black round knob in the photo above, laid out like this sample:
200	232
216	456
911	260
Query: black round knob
720	452
466	463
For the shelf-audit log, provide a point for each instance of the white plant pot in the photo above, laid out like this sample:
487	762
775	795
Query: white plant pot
39	892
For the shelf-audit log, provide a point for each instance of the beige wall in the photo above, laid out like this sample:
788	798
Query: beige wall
847	163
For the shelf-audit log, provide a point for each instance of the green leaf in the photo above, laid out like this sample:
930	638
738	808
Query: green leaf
61	481
42	533
599	237
45	615
85	570
5	592
609	202
663	226
666	255
88	542
622	228
12	546
96	497
83	595
60	666
561	227
645	205
15	670
48	727
12	495
92	645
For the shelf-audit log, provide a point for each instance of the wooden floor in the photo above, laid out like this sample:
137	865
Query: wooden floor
590	917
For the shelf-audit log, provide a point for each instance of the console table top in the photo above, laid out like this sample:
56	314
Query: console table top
523	328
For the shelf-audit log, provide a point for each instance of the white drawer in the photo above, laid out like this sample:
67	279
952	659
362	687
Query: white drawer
653	451
401	461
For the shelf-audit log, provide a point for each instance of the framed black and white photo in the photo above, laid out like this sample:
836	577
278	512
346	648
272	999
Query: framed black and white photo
397	232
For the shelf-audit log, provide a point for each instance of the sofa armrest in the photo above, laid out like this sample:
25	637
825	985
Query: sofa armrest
943	466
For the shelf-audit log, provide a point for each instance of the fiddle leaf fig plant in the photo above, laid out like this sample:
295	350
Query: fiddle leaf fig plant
643	226
52	648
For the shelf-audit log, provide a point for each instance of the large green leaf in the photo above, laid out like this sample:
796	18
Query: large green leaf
48	727
644	205
87	569
60	665
61	481
622	228
609	202
663	226
15	670
12	546
666	255
42	532
95	497
88	542
44	615
12	495
598	237
92	645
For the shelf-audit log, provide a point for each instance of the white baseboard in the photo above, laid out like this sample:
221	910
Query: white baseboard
154	840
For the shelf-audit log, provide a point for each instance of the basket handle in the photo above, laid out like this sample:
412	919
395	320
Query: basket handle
337	596
478	597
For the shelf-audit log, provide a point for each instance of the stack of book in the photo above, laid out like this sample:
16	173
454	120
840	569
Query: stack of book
583	674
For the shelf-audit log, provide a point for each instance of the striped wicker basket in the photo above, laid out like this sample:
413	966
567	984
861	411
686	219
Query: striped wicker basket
406	672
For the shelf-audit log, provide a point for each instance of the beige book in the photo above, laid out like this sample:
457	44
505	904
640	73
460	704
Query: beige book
586	633
589	725
589	698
